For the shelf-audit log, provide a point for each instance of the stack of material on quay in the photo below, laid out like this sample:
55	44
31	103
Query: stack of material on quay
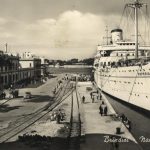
45	128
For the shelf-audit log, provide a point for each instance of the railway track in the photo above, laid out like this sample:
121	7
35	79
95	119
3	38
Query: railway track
22	119
18	121
75	123
29	121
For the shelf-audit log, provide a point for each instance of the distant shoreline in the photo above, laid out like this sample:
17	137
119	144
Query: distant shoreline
71	66
70	69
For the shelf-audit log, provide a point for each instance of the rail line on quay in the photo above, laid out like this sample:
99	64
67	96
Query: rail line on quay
36	116
75	123
57	94
30	116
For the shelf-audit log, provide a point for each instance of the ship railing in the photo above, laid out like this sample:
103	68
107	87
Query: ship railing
131	62
126	63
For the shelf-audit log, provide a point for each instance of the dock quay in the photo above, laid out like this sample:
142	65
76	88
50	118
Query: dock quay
80	125
98	130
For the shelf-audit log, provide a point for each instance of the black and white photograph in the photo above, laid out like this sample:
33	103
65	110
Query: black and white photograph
74	75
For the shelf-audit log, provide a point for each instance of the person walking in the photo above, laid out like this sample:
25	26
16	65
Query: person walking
100	96
103	109
97	97
59	116
93	99
100	109
83	99
3	95
91	94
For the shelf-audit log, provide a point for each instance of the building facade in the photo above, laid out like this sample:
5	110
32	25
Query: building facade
15	69
9	69
30	67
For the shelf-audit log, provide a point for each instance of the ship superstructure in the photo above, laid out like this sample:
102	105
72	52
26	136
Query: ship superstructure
122	67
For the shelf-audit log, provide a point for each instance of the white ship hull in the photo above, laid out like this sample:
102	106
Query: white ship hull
129	84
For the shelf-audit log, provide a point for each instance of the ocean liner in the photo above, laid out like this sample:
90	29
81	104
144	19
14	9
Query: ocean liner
122	67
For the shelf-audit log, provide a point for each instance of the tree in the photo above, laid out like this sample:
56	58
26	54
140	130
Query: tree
88	61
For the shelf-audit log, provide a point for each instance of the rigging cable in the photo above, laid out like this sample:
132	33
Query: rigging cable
122	15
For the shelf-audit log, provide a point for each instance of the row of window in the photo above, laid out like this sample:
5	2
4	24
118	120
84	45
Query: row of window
129	54
113	89
144	73
14	77
131	70
128	70
106	63
125	82
8	68
9	78
126	43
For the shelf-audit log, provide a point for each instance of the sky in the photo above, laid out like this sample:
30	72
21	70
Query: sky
57	29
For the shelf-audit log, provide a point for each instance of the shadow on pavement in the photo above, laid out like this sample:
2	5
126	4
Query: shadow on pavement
7	108
39	98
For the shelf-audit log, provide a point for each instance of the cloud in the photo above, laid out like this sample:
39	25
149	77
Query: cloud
3	21
71	34
70	29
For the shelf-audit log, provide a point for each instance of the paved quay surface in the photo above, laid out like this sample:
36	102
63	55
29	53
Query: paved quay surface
17	108
43	127
98	127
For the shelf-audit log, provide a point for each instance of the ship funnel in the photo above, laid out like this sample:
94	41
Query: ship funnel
116	35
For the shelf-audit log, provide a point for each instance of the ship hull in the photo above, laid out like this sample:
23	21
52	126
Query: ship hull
134	107
128	84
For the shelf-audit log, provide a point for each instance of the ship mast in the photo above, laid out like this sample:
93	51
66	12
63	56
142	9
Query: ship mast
136	28
136	5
